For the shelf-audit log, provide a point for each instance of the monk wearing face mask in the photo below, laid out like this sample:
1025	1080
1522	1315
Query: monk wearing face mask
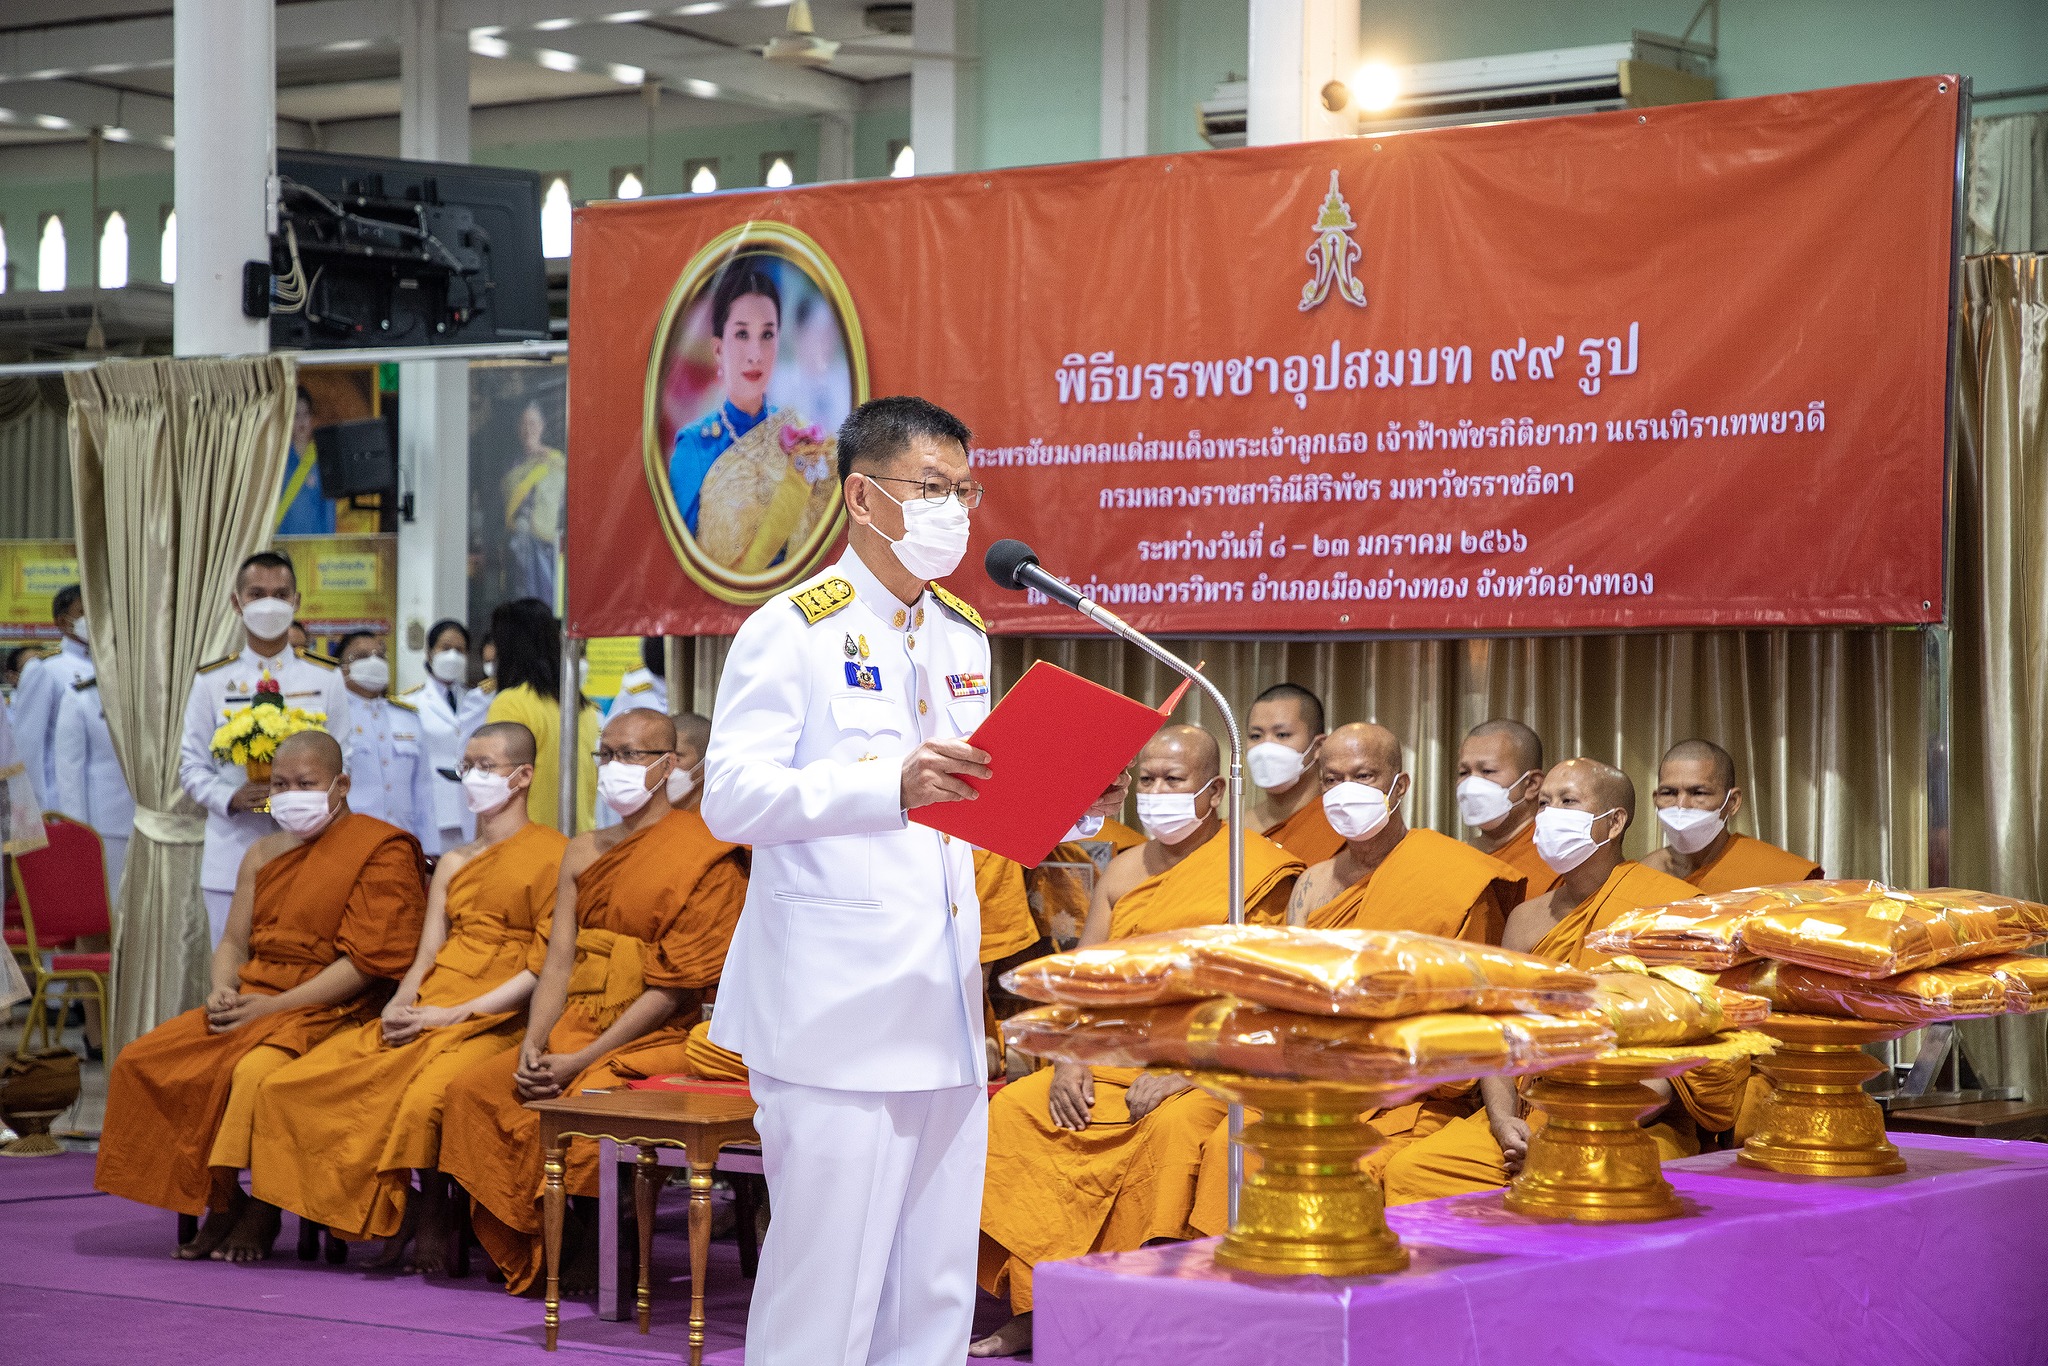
1500	772
323	909
1104	1159
1285	731
1586	808
1697	801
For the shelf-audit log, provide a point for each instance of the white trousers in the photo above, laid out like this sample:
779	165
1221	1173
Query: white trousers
218	904
870	1256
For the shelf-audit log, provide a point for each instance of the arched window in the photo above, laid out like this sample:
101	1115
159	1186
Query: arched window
52	254
905	165
167	250
779	176
554	218
629	187
704	180
114	252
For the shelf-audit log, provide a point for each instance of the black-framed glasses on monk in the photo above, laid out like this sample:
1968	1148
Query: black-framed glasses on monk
934	490
631	756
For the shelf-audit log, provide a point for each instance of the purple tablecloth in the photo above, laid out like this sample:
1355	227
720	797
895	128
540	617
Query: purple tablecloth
1945	1265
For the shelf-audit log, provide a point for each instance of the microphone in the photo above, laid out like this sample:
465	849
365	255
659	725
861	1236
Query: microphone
1013	564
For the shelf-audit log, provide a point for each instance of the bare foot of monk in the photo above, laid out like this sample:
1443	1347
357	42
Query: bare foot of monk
1012	1339
255	1233
431	1254
219	1224
392	1257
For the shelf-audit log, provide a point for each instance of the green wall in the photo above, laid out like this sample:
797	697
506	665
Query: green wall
24	202
1196	46
1036	93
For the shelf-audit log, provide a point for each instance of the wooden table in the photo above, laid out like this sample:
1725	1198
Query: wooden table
698	1124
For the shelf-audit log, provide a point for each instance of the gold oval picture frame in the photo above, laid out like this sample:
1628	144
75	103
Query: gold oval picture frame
726	582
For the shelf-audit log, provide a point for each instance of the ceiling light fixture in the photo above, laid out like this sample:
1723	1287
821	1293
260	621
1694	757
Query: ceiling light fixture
556	60
484	45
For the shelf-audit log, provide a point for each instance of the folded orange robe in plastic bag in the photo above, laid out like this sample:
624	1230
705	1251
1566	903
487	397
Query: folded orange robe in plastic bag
1668	1006
1891	933
1922	996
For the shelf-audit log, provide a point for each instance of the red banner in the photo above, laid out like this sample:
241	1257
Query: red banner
1673	367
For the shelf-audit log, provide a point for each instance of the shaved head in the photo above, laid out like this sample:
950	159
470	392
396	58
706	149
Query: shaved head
693	733
307	753
1365	740
1702	752
1524	747
1592	786
640	729
514	741
1306	703
1191	747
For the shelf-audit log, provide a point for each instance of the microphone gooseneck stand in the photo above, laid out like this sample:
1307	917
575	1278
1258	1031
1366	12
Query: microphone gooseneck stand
1013	565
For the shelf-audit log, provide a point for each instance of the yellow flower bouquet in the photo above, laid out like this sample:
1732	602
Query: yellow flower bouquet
250	737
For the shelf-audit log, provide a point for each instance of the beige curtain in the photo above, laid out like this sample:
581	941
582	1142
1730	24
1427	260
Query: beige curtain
2008	185
35	467
176	466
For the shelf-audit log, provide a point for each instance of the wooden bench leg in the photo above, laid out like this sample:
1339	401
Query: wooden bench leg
646	1178
552	1199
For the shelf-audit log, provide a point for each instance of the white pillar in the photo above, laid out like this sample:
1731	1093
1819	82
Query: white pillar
835	147
1126	68
935	87
1297	47
224	55
433	411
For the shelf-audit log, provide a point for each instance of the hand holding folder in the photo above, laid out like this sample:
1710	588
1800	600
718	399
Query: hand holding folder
1055	742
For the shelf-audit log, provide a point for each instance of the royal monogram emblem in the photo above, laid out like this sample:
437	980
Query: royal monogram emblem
1334	253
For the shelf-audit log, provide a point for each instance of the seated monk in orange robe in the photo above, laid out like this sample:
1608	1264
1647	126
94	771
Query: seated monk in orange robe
644	913
322	919
1587	808
1103	1159
1284	735
340	1132
1500	771
1059	896
1697	800
1387	877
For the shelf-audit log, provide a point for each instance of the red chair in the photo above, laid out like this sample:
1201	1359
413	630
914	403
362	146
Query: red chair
61	893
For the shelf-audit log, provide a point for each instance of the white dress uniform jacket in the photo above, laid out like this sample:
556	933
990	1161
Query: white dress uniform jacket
90	784
36	700
856	964
439	722
388	775
225	686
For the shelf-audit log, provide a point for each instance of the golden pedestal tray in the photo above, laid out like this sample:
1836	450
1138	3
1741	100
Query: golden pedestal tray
1308	1209
1591	1162
1818	1121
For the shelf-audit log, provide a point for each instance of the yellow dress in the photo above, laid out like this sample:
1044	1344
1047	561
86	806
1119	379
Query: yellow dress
543	717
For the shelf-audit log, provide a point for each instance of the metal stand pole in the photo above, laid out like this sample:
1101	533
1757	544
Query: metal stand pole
1111	622
672	674
568	750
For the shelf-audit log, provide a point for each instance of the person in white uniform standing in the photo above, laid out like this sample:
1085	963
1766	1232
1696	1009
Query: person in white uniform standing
388	775
266	596
41	692
90	785
853	985
439	703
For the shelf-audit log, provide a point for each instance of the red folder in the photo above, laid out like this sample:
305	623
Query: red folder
1055	743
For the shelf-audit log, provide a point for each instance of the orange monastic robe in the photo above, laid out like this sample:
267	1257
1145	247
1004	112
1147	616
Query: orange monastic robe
355	891
1463	1156
1053	1193
1750	862
1308	834
1006	923
1520	854
340	1132
657	909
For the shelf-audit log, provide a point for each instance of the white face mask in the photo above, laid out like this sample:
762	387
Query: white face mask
267	618
371	672
624	786
302	813
486	792
490	668
1564	838
449	666
934	535
1170	817
1356	810
1688	829
79	629
1482	801
680	784
1275	765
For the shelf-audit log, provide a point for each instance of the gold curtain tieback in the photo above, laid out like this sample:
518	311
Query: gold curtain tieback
169	827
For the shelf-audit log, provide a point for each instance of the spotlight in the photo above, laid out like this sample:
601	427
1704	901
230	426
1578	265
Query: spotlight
1377	85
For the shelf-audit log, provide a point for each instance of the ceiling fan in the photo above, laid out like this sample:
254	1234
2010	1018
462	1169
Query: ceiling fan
799	44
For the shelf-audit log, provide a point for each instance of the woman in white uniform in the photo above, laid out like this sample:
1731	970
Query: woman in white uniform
439	702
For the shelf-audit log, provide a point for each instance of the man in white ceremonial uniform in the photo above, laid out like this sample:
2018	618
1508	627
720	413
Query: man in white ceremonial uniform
41	692
388	774
90	785
853	988
266	596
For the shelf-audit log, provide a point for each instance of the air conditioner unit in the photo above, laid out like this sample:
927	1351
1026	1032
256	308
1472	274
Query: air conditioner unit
1649	69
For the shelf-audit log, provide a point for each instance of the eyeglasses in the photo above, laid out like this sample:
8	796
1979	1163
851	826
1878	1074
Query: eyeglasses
486	766
935	490
630	756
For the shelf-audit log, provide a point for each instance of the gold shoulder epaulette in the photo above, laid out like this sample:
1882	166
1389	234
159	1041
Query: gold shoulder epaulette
489	685
221	663
322	660
82	684
417	687
960	609
639	688
403	706
822	599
